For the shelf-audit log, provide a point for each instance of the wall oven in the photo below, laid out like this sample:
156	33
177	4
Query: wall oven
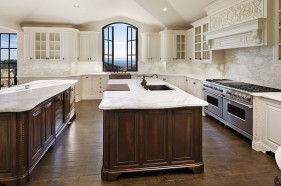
215	103
239	115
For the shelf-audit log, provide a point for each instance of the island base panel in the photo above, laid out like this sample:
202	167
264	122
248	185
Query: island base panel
108	175
150	140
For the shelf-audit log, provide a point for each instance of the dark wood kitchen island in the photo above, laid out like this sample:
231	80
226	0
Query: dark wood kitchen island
145	130
32	117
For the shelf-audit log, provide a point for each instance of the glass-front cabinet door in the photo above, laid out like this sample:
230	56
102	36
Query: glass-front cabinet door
40	45
54	45
198	43
180	47
47	46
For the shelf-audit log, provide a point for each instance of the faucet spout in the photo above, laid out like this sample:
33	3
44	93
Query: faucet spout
144	82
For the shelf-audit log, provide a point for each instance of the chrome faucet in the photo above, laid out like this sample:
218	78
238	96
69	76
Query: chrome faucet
144	82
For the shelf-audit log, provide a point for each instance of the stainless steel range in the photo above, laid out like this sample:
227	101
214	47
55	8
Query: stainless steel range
231	103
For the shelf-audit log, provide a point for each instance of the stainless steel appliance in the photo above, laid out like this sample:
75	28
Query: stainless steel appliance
232	103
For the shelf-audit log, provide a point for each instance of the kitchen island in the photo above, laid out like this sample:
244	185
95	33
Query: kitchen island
32	117
149	130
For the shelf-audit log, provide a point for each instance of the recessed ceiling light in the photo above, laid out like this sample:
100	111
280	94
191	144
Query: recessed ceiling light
165	9
76	5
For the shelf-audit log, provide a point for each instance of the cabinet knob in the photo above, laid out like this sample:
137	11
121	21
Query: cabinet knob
30	58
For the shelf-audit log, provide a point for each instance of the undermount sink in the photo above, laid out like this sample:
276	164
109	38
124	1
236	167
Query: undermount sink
158	87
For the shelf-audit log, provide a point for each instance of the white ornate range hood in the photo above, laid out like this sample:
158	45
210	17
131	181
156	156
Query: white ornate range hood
240	23
249	33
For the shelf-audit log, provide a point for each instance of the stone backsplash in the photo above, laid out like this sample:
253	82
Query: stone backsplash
254	65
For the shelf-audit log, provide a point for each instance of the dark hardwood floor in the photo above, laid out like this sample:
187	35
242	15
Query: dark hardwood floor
76	158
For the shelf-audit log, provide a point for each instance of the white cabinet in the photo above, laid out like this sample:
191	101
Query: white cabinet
150	47
178	81
49	43
195	87
89	49
173	45
202	53
93	86
266	125
190	45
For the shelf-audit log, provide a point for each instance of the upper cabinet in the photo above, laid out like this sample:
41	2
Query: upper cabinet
190	45
47	43
89	42
237	23
150	47
201	47
173	45
277	6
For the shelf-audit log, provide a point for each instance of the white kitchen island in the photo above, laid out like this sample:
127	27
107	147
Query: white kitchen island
146	130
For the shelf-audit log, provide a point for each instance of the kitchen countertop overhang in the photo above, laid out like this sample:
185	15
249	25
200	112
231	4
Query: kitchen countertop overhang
20	99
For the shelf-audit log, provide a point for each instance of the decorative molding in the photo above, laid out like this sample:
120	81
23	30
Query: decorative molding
250	33
239	13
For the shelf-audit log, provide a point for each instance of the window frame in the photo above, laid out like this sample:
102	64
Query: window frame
9	60
127	55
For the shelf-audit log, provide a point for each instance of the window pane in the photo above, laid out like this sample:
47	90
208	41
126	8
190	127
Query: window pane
129	33
4	55
13	41
13	55
110	33
4	40
134	34
134	47
4	82
4	69
105	33
129	48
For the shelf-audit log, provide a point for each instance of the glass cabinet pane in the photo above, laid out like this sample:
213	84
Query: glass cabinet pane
57	37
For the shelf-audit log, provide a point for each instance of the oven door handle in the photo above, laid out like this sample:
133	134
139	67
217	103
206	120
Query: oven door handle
207	91
244	104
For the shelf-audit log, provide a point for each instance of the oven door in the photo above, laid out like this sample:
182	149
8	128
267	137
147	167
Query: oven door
215	103
239	115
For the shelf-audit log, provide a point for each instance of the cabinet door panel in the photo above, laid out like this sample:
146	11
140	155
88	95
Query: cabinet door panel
182	125
58	113
7	143
66	106
126	139
49	122
36	144
155	136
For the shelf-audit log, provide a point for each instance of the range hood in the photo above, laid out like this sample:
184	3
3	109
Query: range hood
246	34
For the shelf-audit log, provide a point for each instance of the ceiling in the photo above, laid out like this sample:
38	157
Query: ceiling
179	12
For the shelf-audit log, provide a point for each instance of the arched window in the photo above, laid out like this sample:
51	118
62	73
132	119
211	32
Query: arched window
120	47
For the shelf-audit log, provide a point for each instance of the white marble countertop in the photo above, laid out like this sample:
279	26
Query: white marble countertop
139	98
20	99
269	95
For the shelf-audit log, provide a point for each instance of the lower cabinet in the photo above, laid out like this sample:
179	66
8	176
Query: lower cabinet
59	114
146	140
41	125
92	87
267	126
26	136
